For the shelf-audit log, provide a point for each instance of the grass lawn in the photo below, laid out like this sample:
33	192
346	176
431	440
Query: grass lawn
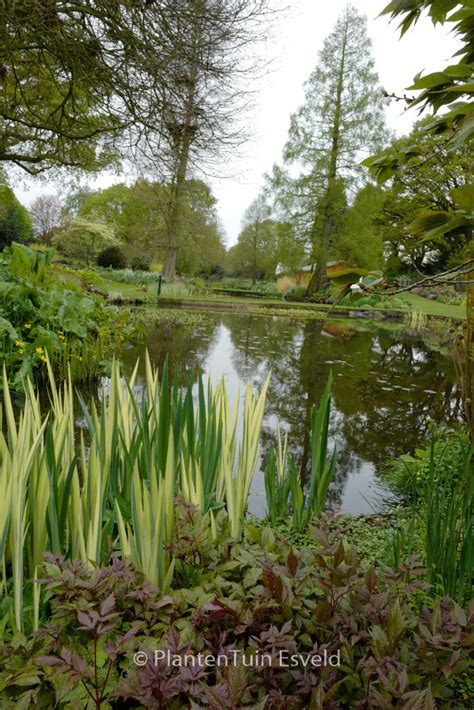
432	308
130	291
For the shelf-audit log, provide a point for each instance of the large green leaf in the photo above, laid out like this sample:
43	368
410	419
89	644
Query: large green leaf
344	275
6	327
432	225
430	81
464	197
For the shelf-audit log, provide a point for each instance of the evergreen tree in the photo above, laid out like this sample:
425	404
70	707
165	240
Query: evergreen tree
362	240
15	222
340	119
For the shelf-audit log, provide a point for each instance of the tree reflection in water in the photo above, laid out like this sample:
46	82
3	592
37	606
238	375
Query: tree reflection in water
387	385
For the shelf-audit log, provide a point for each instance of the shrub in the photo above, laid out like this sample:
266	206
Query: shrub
112	257
39	312
140	262
216	272
409	474
251	605
321	297
199	284
297	293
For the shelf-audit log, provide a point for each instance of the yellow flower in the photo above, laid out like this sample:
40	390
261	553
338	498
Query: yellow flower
19	343
43	358
21	351
27	325
39	351
62	336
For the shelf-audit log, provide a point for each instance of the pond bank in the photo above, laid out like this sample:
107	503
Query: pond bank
315	310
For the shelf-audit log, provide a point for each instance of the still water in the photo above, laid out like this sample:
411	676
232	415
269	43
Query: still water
388	384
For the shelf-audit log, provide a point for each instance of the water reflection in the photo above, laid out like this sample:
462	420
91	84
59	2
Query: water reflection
386	387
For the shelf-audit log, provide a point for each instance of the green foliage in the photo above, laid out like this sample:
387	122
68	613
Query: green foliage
342	114
416	217
126	276
175	289
352	285
410	475
295	293
144	449
140	262
286	494
139	216
112	257
39	313
15	222
197	283
374	300
389	538
449	520
438	481
244	600
83	240
361	241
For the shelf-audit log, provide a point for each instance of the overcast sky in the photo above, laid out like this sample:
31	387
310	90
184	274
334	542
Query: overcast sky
293	49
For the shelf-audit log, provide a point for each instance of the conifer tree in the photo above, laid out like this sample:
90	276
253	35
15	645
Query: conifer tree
340	120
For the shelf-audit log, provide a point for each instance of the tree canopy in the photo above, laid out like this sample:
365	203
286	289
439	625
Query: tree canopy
83	240
426	184
87	84
262	244
341	118
15	222
74	77
139	215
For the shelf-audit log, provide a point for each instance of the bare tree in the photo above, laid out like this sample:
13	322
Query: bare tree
48	215
210	45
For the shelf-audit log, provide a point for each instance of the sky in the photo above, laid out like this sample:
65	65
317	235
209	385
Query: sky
292	49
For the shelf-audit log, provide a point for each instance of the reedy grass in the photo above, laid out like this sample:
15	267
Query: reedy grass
145	447
449	539
286	496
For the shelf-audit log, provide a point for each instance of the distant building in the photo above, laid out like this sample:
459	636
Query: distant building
300	278
286	280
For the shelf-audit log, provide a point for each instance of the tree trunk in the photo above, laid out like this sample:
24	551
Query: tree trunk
255	245
464	357
176	207
184	130
469	340
319	278
169	268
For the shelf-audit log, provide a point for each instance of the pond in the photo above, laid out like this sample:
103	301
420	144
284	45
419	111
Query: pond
388	385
